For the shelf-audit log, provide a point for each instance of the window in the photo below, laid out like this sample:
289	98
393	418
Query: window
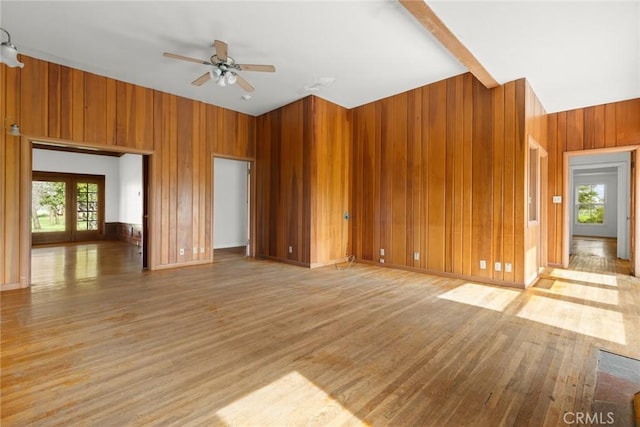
533	183
590	203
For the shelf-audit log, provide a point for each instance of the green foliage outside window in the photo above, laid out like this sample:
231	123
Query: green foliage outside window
591	204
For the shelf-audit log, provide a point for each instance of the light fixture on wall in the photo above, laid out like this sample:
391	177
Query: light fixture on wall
9	53
13	129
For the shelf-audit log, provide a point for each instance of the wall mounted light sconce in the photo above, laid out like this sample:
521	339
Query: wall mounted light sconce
9	53
13	129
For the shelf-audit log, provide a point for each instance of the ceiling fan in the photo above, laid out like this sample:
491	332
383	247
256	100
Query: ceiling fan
224	69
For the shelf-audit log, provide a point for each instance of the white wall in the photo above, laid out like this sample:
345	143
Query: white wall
230	216
610	226
130	166
91	164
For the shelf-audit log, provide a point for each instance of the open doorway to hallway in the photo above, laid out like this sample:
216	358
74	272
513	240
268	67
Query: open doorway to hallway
599	199
88	212
231	209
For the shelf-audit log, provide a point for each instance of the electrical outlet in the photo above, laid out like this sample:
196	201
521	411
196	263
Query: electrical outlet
181	251
483	264
507	267
381	252
202	249
416	256
195	250
381	260
498	266
290	249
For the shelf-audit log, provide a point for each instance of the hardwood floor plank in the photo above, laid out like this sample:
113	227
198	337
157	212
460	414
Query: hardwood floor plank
249	342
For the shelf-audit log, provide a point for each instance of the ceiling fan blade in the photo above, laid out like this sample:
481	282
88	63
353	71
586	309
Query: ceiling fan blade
221	49
256	67
186	58
243	83
202	79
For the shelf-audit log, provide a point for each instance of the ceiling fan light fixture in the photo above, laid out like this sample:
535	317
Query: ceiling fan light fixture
9	53
222	81
215	74
231	78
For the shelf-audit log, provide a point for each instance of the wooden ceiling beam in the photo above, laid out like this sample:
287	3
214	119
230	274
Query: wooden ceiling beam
427	17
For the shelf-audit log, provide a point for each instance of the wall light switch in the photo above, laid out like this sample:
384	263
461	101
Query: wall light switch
416	256
290	249
381	252
557	199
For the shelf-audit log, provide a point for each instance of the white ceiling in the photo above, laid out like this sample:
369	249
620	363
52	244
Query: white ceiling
574	53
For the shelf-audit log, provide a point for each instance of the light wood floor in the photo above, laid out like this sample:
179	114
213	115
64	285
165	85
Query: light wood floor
54	264
229	254
261	343
597	254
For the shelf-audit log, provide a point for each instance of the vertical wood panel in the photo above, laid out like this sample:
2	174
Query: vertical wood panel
3	178
498	179
575	130
468	261
509	199
414	175
521	150
455	138
482	180
77	105
397	143
53	99
437	175
426	172
95	109
628	122
34	92
186	139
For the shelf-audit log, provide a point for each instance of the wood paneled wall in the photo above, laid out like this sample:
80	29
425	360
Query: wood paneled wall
439	170
303	179
52	102
602	126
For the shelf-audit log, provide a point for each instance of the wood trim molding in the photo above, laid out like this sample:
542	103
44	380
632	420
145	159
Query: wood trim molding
474	279
427	17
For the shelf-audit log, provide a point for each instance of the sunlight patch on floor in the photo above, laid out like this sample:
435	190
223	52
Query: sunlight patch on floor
591	293
584	276
482	296
583	319
290	400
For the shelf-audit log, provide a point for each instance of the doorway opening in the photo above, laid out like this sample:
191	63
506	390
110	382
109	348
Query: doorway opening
89	210
599	211
231	209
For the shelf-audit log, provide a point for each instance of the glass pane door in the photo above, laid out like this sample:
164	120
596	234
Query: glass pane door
48	206
87	206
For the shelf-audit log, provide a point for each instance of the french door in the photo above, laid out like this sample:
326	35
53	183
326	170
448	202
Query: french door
66	207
